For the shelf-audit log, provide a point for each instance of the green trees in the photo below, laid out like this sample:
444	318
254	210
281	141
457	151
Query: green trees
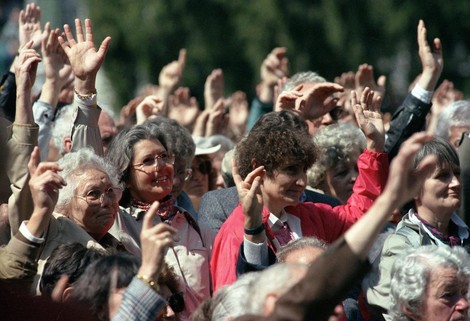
326	36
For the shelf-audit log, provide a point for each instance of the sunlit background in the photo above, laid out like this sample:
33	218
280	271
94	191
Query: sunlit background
327	36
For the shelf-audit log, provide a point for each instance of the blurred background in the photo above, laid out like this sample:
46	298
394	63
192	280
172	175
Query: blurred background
326	36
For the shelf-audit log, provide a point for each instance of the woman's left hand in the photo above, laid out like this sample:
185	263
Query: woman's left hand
369	118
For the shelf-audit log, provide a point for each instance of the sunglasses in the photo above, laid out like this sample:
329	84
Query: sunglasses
176	302
204	167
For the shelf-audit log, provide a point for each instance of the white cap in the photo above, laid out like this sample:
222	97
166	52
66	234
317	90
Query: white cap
204	147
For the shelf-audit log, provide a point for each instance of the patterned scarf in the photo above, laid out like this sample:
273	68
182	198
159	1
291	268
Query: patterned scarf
451	239
166	210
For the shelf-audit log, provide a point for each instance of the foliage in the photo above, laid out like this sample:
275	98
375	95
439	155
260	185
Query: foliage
326	36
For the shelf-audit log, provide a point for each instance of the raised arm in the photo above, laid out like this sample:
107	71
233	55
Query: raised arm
23	139
84	58
311	101
18	258
411	116
58	72
328	278
274	68
142	300
369	118
86	61
169	78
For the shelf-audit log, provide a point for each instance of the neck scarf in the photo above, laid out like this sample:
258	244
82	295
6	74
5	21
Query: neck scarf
451	239
166	210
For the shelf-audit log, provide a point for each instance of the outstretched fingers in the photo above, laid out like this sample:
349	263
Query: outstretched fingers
79	30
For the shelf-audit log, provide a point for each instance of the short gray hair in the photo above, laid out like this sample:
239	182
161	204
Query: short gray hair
411	273
303	77
74	164
278	278
456	114
337	142
300	244
179	139
229	302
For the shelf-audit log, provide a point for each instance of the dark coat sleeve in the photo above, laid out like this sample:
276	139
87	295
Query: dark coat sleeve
409	118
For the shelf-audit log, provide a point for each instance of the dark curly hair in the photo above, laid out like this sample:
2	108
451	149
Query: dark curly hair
277	139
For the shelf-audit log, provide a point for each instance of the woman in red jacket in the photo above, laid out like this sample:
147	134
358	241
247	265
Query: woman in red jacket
276	155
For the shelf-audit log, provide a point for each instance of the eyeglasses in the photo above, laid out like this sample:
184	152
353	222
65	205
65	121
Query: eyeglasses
155	163
204	167
176	302
96	196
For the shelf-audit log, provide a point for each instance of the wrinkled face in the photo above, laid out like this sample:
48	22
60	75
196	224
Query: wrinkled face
445	297
198	184
340	179
284	187
440	193
94	217
455	134
149	183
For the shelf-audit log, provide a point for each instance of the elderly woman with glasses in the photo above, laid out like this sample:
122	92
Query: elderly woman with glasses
145	163
85	207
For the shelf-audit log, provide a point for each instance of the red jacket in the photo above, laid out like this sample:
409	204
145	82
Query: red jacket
317	219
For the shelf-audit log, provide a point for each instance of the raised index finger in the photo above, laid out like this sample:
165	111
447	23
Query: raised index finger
33	161
182	58
147	222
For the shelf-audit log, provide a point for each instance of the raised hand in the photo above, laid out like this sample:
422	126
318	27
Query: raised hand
217	120
273	68
30	26
369	118
83	56
311	101
213	88
238	113
431	59
183	108
364	77
45	183
26	67
56	65
155	241
249	194
150	107
170	75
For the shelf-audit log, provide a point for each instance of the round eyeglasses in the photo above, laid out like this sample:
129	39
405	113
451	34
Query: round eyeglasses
96	196
155	163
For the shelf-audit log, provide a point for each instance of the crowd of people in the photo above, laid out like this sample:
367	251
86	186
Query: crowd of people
304	205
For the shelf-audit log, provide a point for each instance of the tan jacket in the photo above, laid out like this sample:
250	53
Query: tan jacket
61	230
18	259
189	258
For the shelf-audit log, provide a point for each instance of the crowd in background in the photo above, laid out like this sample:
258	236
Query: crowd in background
304	204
